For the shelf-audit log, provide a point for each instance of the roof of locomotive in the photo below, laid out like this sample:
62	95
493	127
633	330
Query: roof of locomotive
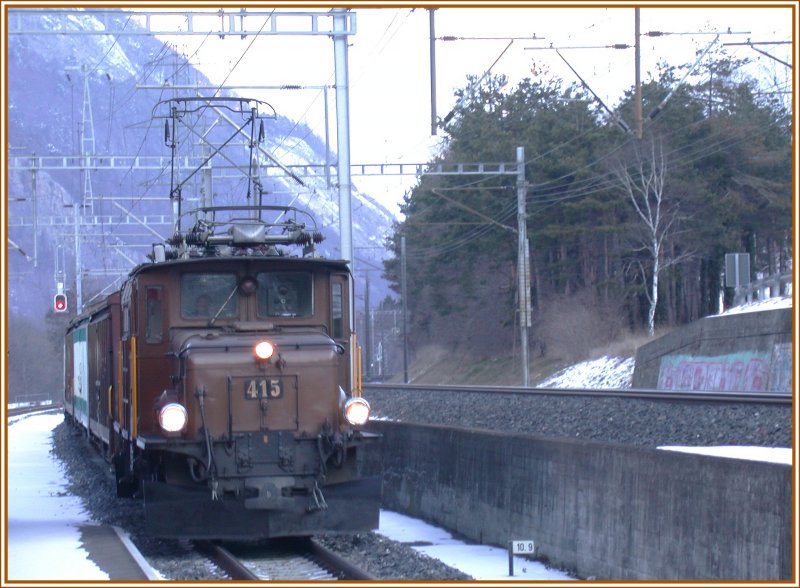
338	264
103	303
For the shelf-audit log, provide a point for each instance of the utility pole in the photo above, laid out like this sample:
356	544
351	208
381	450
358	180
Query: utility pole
34	189
637	102
86	137
523	262
523	266
343	133
343	163
60	271
87	140
404	296
87	144
433	70
367	327
76	208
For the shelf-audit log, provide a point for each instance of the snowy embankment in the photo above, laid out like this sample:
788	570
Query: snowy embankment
606	372
617	372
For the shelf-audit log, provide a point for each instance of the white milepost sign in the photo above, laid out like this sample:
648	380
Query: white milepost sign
519	546
523	546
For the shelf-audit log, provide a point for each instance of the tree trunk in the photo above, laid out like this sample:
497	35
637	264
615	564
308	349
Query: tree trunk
651	312
653	298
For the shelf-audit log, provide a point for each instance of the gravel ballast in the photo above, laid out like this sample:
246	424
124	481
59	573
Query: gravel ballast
91	479
612	419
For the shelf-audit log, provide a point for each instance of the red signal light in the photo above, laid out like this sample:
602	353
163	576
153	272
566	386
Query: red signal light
60	302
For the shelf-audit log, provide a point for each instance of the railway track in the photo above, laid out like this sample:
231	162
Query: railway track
34	408
632	393
644	418
296	559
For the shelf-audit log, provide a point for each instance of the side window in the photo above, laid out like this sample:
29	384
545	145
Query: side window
285	294
127	293
126	321
337	314
153	314
204	295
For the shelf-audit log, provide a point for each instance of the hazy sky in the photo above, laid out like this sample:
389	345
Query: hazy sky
389	64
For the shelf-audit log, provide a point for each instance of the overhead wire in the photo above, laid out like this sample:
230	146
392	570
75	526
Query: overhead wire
309	131
588	184
246	50
330	79
605	157
174	75
451	244
604	180
503	214
677	158
156	62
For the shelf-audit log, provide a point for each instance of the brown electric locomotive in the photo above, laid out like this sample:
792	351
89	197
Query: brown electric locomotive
223	382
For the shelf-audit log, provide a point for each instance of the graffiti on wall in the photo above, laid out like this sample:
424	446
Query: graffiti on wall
780	377
735	372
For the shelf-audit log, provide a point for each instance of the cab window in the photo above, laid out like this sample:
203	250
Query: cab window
205	295
337	310
285	294
153	314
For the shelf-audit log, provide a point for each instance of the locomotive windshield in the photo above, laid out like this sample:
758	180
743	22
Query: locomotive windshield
204	294
287	294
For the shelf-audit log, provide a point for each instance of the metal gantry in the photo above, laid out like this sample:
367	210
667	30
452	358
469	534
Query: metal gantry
241	22
127	163
338	24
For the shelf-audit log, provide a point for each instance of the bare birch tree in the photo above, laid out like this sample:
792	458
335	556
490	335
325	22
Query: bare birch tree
643	183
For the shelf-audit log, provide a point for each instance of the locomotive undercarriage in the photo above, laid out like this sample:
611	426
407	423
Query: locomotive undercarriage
257	486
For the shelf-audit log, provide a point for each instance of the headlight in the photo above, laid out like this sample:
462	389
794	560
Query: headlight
264	350
172	417
356	411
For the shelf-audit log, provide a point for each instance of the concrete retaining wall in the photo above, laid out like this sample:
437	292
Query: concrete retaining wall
605	511
749	352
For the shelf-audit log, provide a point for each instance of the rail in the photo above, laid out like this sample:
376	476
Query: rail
226	560
17	409
21	400
633	393
323	556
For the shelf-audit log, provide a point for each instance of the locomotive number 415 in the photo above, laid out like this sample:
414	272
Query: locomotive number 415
263	388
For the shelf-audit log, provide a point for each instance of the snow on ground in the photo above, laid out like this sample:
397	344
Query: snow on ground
482	562
606	372
756	305
43	517
771	454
